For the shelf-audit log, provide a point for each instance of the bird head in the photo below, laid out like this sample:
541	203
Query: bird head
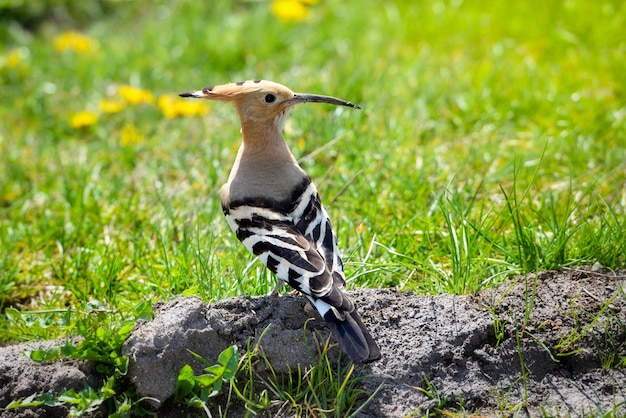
260	101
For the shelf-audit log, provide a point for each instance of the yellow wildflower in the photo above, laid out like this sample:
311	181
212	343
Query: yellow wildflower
73	41
13	58
111	106
173	107
166	104
83	119
134	96
291	10
129	135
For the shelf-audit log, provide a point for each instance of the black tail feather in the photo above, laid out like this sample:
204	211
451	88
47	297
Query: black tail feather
353	337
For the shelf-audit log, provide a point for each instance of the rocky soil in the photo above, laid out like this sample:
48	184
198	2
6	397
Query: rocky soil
547	344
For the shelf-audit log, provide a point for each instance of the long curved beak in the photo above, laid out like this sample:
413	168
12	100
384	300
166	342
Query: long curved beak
316	98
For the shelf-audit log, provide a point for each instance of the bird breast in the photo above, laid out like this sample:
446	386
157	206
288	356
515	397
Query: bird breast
275	182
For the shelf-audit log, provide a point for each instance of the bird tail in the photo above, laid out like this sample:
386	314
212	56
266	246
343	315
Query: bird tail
353	337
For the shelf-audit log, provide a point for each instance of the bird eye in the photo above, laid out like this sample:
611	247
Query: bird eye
270	98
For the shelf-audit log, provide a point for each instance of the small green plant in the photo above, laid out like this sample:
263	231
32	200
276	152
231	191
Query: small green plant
88	401
499	326
327	388
81	402
604	328
99	338
502	399
519	334
196	390
609	343
433	393
566	344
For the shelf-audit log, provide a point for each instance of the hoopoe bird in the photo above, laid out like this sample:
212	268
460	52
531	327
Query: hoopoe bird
275	211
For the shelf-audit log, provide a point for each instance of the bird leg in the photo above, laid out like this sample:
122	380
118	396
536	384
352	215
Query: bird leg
276	291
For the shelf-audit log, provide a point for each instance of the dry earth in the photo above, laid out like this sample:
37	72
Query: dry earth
537	345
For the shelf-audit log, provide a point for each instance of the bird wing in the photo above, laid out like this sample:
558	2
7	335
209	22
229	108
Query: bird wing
295	258
313	222
298	260
296	242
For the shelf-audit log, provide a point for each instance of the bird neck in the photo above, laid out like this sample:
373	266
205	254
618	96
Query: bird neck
264	142
264	165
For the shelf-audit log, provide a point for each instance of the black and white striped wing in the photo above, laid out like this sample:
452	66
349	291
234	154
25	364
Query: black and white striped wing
312	221
296	242
275	239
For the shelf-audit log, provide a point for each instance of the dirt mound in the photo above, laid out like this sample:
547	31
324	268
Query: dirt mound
550	343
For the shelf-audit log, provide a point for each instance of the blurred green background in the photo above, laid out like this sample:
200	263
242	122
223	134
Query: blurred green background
491	143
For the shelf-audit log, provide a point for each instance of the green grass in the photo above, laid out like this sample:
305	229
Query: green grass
491	142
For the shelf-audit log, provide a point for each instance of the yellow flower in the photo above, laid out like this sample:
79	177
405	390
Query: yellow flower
83	119
129	135
173	107
13	58
166	104
73	41
111	106
134	96
291	10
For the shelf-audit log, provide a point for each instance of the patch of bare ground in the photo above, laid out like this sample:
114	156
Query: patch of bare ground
550	344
